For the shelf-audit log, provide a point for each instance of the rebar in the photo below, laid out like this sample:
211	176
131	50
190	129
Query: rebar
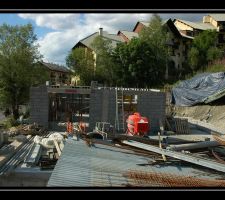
141	178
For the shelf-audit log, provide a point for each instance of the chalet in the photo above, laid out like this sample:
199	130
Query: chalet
59	75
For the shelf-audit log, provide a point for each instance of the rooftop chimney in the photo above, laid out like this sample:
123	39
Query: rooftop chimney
100	31
206	19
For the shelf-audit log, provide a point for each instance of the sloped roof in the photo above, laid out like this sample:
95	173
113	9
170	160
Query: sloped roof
55	67
89	39
145	23
140	22
197	25
218	17
129	34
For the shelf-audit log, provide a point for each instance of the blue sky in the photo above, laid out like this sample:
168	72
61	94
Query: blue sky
58	33
14	19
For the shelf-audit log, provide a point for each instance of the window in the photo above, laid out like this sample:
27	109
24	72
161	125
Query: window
221	38
189	33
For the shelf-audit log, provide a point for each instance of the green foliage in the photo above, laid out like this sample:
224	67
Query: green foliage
215	68
157	36
193	57
82	62
138	65
104	62
214	53
204	50
10	122
142	62
18	55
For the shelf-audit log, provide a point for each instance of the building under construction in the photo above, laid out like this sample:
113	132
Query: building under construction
51	105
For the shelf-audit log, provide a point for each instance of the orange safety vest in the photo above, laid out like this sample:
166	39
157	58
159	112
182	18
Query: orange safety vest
82	126
69	127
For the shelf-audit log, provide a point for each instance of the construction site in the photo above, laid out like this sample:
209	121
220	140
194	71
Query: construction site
122	137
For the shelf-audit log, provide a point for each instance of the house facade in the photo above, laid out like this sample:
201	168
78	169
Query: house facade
87	42
59	75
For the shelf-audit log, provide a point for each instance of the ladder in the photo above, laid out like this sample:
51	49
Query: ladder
119	121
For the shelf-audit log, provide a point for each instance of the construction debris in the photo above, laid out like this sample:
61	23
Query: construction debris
181	126
30	129
143	152
208	163
34	155
9	150
219	138
57	147
48	142
191	146
170	180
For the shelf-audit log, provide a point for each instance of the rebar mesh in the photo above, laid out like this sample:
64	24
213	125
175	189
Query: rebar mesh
219	139
140	178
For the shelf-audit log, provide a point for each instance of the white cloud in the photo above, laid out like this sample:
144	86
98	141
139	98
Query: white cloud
68	29
56	45
53	21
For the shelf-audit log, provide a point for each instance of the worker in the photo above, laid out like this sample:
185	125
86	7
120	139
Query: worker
69	128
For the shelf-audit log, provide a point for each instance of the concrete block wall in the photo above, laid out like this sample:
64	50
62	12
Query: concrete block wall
39	105
95	111
152	105
102	107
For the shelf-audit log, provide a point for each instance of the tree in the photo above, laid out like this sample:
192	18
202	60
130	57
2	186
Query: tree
157	36
18	69
104	61
137	65
204	50
81	60
142	62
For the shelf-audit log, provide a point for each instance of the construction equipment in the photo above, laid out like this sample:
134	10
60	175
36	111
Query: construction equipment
137	125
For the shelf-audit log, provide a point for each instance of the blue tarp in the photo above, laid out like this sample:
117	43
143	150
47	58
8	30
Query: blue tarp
203	88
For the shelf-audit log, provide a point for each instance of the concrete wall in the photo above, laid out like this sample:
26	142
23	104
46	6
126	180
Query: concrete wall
152	106
102	107
39	105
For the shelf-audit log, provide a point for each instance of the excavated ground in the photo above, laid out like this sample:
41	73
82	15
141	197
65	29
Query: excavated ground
212	114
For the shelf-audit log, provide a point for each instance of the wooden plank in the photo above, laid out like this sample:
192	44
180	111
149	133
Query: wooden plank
160	146
161	127
57	147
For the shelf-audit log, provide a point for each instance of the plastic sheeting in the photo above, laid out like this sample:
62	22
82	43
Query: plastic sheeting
203	88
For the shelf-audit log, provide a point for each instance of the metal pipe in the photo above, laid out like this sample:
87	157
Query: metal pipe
191	146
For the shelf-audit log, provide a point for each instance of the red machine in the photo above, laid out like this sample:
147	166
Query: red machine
137	125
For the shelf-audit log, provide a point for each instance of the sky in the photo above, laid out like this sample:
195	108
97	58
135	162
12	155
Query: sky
58	33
